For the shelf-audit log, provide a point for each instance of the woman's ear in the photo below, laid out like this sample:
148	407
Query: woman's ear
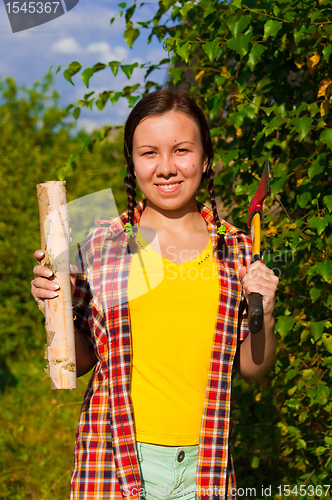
205	164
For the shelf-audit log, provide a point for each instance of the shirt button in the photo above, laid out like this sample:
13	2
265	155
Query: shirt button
181	456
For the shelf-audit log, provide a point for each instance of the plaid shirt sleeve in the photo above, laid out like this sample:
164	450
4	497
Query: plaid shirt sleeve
245	250
82	299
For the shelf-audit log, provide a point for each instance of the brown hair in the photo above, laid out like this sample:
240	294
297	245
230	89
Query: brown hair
158	103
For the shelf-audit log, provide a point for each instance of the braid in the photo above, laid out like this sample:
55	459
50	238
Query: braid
222	248
129	181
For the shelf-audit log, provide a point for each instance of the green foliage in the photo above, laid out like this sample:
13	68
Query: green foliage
37	433
35	142
263	71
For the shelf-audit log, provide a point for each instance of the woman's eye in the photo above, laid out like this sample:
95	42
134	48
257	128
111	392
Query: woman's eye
181	150
149	153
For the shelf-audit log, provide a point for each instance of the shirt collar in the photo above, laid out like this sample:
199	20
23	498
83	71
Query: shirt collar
116	224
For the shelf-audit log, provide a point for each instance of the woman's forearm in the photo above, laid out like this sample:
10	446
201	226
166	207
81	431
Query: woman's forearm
85	355
256	353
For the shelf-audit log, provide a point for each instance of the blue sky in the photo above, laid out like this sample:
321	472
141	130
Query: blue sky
83	34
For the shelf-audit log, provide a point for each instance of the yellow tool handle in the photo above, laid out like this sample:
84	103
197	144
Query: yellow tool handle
256	235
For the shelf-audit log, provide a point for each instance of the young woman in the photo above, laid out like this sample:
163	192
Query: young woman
155	420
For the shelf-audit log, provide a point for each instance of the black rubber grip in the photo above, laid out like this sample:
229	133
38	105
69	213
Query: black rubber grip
255	312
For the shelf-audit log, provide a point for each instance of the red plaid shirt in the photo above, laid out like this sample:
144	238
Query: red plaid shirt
106	463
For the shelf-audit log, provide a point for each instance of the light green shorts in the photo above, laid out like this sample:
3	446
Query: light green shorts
168	472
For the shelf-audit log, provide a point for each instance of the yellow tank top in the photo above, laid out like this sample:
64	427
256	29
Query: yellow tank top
173	310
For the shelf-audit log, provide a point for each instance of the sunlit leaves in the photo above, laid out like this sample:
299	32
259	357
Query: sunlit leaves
326	137
130	36
255	54
128	69
183	51
271	28
240	44
86	75
327	52
72	69
114	65
284	325
212	49
302	126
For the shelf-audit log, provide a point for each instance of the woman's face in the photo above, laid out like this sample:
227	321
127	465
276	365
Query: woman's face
168	159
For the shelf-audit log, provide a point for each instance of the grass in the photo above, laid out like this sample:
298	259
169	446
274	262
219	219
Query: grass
37	433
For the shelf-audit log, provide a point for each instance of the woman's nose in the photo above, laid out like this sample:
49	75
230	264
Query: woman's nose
166	165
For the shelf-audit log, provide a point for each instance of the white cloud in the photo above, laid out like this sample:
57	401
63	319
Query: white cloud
66	46
103	50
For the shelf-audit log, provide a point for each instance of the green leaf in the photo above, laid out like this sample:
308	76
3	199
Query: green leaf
114	96
327	340
284	325
328	202
277	185
303	199
291	374
315	293
293	404
318	223
317	329
114	65
86	75
299	34
130	12
72	69
327	52
268	111
176	74
326	137
302	126
168	3
212	49
168	44
58	69
273	125
314	15
183	51
240	25
240	189
315	168
323	394
128	69
271	28
76	112
186	8
237	3
255	54
100	103
240	44
132	99
98	67
130	36
324	269
69	107
122	5
255	462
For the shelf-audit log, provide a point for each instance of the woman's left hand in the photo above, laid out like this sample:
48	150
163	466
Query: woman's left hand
260	279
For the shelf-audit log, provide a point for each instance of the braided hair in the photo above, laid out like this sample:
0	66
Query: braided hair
158	103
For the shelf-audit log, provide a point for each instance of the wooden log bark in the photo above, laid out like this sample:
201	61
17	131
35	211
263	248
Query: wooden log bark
55	242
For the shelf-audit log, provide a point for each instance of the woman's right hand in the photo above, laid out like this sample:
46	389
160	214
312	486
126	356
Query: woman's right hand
43	286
